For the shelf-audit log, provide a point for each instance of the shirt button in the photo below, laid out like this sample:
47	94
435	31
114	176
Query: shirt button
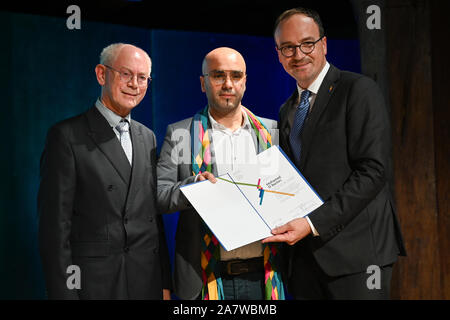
126	249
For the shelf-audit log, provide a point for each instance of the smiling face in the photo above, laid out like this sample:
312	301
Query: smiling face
120	96
224	98
302	67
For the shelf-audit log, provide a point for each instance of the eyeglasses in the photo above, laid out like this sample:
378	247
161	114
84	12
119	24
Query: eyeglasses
219	77
127	76
306	47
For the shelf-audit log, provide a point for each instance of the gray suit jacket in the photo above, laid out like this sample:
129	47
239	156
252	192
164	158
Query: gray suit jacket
175	170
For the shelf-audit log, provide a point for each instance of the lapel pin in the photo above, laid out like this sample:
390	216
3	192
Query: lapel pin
331	88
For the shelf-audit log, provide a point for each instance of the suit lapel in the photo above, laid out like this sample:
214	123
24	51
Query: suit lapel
285	127
139	159
106	140
326	90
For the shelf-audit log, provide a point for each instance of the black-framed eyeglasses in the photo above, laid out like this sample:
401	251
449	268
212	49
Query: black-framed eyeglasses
127	76
219	77
306	47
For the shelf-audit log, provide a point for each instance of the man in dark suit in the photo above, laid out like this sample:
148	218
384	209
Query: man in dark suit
335	128
99	234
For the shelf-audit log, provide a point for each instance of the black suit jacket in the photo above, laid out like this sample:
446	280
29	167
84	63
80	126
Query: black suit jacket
345	156
98	212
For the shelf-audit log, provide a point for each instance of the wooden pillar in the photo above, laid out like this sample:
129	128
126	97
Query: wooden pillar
419	275
440	26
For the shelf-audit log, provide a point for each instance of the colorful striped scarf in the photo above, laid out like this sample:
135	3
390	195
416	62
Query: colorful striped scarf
210	255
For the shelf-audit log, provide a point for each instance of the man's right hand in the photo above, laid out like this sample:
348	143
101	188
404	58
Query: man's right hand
206	176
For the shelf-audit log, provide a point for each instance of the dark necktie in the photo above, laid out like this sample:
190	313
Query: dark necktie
297	126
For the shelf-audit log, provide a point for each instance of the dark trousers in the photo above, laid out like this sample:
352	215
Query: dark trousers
246	286
309	282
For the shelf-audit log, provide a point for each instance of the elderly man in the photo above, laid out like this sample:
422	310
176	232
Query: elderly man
100	236
214	141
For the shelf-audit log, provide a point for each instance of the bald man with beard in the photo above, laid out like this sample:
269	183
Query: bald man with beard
239	273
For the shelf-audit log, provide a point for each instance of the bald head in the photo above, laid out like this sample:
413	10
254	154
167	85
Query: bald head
223	80
223	55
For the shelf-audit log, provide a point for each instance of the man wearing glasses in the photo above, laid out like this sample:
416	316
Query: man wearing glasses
335	128
216	140
99	233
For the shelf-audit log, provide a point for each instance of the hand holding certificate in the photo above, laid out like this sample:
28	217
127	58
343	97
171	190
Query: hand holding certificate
245	205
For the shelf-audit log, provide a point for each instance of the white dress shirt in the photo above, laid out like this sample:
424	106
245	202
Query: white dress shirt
314	88
112	118
231	149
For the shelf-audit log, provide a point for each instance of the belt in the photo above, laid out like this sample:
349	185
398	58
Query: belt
237	267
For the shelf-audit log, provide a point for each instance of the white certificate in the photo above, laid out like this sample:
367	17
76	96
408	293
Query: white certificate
244	205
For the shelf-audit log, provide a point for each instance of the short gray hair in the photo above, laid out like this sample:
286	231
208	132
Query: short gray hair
110	52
